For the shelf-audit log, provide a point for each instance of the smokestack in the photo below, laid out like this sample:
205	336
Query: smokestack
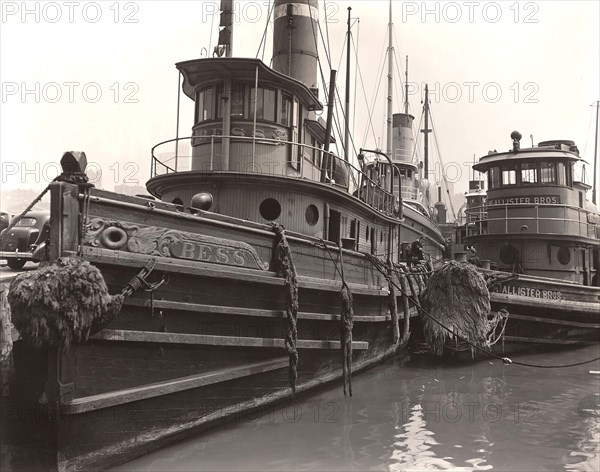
295	40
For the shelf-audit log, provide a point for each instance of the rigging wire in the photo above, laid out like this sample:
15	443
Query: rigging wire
263	40
445	180
376	91
355	72
362	83
399	71
212	23
328	47
323	80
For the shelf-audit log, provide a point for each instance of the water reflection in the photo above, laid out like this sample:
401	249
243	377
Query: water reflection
409	416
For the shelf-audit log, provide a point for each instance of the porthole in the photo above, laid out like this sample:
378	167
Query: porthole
179	204
509	254
563	255
270	209
312	215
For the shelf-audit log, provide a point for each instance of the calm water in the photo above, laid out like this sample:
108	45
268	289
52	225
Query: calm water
407	416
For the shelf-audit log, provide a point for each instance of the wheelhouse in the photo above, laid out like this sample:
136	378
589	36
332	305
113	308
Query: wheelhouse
536	218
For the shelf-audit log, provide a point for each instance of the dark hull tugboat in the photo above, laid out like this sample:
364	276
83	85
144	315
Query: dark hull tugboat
261	268
537	225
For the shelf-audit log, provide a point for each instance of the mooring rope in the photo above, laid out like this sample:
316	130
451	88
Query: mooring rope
285	267
346	321
393	306
346	325
387	272
19	217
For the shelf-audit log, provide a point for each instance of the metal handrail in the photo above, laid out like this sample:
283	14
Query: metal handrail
365	189
478	211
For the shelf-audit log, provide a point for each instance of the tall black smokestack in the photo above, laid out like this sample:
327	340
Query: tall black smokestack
295	40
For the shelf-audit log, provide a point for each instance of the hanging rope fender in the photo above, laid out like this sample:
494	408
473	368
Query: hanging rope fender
346	325
505	360
284	265
68	301
393	303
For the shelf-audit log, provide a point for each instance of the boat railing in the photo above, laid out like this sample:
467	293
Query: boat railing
262	156
533	218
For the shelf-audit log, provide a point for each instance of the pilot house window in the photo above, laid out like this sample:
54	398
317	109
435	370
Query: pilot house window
509	177
562	174
285	111
548	174
205	105
237	101
494	178
265	104
529	173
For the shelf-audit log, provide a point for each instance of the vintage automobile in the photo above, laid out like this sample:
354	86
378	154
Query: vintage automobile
4	220
26	240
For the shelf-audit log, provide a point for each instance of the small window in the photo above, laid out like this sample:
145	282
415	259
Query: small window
529	173
563	255
285	111
509	176
312	215
26	222
265	104
509	254
494	177
548	173
237	101
270	209
561	174
179	204
205	105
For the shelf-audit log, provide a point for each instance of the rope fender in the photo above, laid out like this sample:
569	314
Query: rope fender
346	325
284	265
67	302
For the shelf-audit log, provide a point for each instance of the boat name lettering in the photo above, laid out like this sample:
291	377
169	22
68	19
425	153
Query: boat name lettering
532	199
529	292
207	252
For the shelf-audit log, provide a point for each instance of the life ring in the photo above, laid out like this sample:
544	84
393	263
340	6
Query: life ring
113	237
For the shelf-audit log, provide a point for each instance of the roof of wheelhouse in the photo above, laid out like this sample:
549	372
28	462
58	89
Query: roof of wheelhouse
544	152
198	71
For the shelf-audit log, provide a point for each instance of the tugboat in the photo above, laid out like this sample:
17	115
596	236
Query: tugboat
537	224
262	266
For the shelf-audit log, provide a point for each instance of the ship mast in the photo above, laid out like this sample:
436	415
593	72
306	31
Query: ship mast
347	120
390	85
226	32
426	132
406	88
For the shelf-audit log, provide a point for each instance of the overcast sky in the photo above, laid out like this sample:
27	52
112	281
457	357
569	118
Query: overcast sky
100	76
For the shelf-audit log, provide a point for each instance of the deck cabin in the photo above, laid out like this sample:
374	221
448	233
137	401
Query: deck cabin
536	219
258	151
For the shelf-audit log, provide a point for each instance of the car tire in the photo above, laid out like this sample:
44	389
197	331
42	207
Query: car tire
16	264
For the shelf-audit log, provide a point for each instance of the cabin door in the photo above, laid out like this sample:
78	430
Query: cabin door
335	220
